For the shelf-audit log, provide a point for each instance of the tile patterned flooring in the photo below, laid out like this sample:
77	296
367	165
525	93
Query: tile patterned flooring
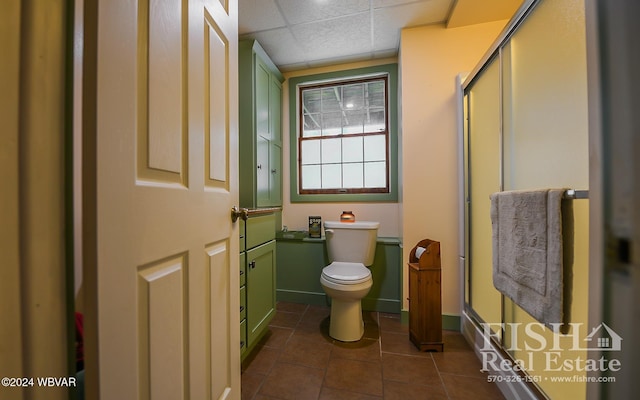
298	360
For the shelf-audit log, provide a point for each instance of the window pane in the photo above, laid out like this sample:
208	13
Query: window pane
375	148
331	123
311	177
375	175
331	151
332	176
352	149
331	98
311	125
375	94
375	122
311	101
353	96
310	152
352	176
353	122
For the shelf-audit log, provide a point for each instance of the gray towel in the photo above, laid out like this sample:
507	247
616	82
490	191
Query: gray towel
528	252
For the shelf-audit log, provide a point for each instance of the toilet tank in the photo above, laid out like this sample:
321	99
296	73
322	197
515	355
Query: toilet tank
351	241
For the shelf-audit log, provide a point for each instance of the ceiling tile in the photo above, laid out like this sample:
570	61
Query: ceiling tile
386	53
258	15
299	12
388	3
340	60
390	20
468	12
293	67
336	37
414	14
302	33
280	45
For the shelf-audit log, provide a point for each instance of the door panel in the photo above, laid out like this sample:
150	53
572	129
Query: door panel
220	302
161	45
164	283
162	327
217	62
161	91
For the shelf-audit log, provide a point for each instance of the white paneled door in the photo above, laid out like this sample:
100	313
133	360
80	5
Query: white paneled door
161	263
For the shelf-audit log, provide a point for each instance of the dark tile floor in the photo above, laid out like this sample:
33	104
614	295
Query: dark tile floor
298	360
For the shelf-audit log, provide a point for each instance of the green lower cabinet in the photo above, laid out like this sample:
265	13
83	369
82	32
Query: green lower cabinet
243	337
261	289
257	279
243	303
243	268
300	264
243	296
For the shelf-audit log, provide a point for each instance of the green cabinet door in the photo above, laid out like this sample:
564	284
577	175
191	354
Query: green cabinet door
275	109
275	147
262	98
275	174
260	125
243	336
261	289
263	198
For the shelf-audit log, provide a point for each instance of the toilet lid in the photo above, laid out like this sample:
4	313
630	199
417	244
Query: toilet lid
346	273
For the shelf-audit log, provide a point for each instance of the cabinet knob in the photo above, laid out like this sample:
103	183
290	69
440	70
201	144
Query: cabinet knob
252	264
259	166
273	171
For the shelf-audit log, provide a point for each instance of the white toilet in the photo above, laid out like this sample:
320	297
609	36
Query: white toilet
351	247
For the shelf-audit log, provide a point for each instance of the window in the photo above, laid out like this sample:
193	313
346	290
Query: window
343	135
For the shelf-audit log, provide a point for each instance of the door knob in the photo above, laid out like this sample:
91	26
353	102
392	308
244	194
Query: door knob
237	212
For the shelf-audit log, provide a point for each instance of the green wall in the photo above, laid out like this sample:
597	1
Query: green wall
300	262
392	71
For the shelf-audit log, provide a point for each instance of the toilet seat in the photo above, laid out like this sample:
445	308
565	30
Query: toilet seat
346	273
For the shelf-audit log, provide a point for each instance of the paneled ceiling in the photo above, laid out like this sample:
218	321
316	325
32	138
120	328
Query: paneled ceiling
299	34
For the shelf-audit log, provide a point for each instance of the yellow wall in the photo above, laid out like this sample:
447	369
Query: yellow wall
430	59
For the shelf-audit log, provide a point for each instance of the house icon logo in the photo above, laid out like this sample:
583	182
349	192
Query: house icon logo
603	338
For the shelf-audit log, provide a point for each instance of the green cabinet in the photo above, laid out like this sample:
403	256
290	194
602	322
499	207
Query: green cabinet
261	294
258	279
260	95
301	260
243	288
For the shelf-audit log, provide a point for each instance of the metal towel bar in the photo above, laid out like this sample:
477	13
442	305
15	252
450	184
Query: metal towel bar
572	194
